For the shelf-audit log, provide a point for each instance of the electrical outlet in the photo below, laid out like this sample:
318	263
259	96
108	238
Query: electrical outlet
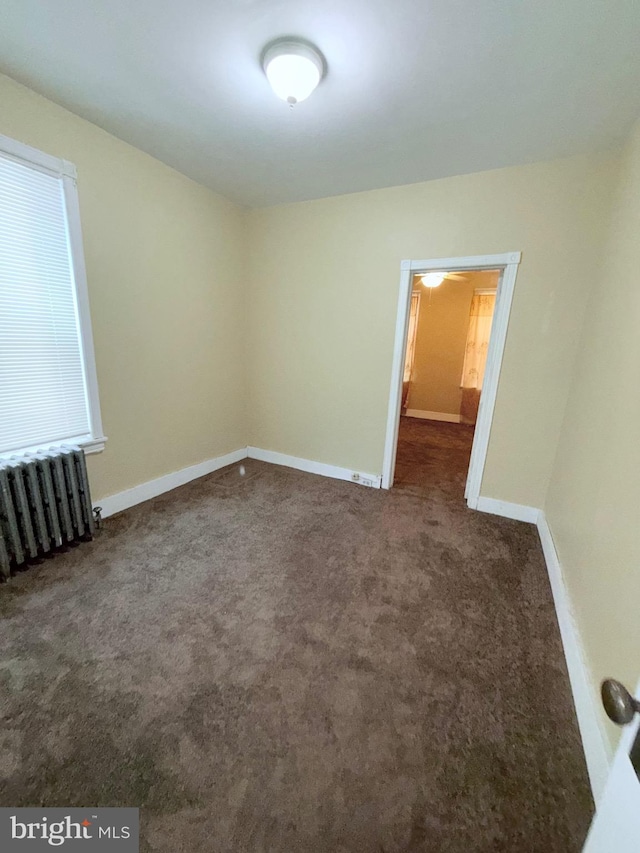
365	480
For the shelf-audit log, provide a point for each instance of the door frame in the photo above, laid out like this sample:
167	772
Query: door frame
508	264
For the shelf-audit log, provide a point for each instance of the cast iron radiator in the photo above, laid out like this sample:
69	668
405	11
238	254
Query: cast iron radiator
45	504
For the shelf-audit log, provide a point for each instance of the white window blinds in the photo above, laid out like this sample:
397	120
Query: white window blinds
43	391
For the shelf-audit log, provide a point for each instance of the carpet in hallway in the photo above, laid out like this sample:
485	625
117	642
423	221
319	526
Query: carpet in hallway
280	662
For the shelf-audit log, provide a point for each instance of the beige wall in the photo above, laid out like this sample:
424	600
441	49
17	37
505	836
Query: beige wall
324	278
594	494
167	279
164	264
443	324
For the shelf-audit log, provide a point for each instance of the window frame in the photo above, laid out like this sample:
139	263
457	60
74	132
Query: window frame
94	441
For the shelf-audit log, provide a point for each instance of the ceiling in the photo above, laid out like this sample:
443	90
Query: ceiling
416	89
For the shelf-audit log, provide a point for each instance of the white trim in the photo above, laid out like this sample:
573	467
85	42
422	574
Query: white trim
312	467
471	262
33	157
152	488
497	340
81	290
508	263
433	416
585	695
519	512
397	375
92	445
66	173
88	444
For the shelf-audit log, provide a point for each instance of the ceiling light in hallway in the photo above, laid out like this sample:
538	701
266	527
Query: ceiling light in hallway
293	68
433	279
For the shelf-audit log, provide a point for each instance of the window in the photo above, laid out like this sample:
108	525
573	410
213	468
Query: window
478	334
410	355
48	386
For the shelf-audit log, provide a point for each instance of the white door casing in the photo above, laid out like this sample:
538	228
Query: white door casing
508	264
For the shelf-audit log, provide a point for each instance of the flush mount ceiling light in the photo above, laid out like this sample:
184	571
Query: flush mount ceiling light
433	279
293	68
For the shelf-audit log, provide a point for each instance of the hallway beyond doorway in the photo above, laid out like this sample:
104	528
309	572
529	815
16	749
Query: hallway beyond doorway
447	268
433	458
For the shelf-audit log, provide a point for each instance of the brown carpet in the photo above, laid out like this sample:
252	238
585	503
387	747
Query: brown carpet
289	664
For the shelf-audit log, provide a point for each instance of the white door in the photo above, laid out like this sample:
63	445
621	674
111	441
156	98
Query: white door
616	826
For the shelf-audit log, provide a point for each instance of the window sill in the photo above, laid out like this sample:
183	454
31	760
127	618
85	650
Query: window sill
93	445
89	445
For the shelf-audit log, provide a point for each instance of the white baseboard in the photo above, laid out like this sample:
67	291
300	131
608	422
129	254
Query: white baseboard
585	695
373	480
433	416
153	488
519	512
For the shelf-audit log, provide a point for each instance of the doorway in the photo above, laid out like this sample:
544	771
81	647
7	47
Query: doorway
450	317
420	277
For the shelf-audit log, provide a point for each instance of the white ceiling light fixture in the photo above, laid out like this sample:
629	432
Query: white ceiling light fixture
433	279
293	68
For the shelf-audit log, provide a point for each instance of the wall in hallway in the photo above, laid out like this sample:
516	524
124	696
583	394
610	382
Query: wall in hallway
443	325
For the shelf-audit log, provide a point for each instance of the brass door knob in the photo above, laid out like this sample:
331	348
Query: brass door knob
619	704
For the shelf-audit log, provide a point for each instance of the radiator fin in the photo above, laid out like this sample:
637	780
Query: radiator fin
45	504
